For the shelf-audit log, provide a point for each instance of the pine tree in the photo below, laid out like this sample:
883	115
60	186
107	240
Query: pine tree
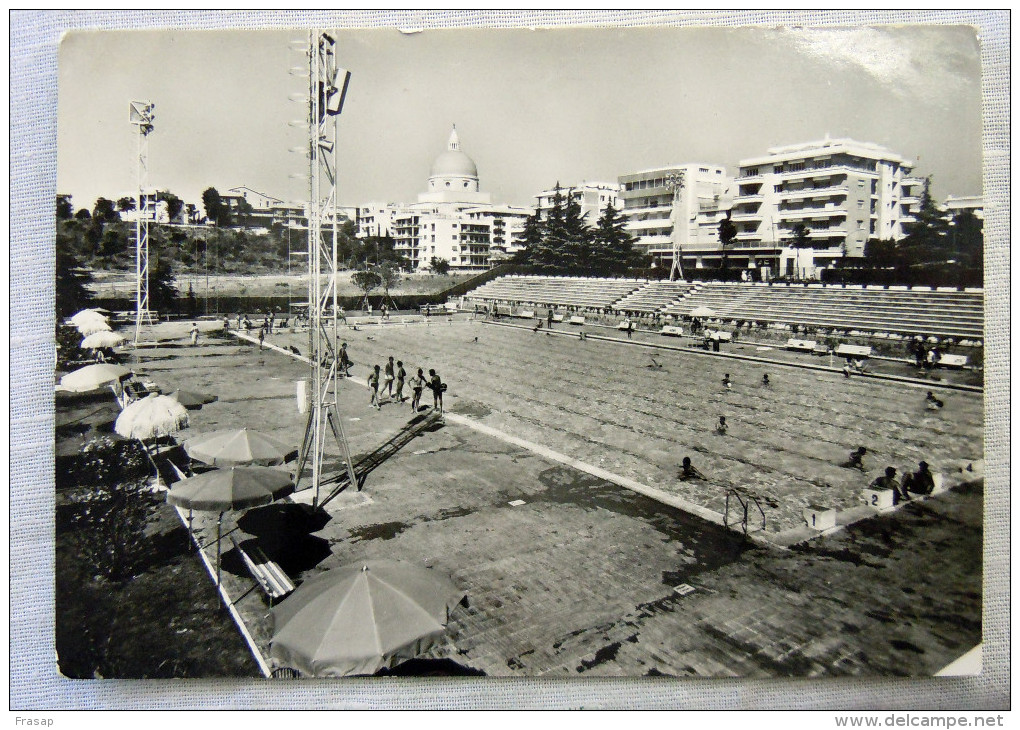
613	252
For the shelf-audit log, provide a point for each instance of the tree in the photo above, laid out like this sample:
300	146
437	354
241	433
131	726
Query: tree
967	239
191	211
389	276
801	239
105	211
72	282
881	254
125	204
612	251
113	242
162	291
531	238
215	210
366	280
83	215
727	232
112	511
439	266
173	204
64	208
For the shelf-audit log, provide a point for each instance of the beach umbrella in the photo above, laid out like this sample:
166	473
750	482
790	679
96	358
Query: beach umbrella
702	312
91	377
222	490
87	315
235	447
90	327
361	618
191	399
103	338
151	416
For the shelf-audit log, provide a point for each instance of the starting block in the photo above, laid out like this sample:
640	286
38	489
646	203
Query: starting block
577	320
820	518
671	331
557	318
527	314
878	498
801	345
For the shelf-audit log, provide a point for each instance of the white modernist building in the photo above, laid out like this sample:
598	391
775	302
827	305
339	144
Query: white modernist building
845	192
704	200
452	220
592	197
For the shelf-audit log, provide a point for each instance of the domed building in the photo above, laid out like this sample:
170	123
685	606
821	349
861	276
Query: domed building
453	177
452	220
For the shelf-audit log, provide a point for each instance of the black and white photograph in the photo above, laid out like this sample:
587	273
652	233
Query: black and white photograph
608	352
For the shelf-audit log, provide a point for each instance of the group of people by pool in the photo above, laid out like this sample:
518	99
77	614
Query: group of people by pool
389	381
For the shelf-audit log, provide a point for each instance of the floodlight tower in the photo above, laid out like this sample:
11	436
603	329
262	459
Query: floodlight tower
327	89
142	115
675	182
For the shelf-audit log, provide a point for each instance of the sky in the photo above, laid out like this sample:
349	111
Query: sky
532	107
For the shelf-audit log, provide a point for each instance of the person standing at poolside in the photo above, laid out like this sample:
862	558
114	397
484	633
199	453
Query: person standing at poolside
388	378
417	384
437	386
194	333
401	375
373	383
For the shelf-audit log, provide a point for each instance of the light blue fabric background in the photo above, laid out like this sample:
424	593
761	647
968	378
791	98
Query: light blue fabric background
35	683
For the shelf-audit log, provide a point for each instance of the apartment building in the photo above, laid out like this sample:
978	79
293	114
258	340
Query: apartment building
452	220
844	191
704	200
592	197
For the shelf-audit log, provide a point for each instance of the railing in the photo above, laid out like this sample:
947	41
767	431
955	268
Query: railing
744	512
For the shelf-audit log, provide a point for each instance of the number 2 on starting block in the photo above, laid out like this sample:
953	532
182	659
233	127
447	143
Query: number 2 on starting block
878	498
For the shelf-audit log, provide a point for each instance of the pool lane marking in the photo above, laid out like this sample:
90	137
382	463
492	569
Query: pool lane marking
913	382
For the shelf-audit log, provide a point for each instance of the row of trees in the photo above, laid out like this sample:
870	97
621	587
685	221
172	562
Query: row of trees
564	243
934	240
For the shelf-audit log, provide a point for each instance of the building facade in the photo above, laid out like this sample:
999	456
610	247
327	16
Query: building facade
843	191
592	197
705	199
452	220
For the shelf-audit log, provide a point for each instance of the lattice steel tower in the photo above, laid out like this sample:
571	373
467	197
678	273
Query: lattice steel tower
141	115
327	89
675	182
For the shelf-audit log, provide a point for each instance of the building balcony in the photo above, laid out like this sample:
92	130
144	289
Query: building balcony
803	213
825	192
735	217
752	198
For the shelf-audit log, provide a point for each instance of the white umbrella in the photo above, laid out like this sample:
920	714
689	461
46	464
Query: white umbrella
154	415
702	312
87	315
91	377
104	338
90	327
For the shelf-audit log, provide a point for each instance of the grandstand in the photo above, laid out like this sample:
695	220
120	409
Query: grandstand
654	297
892	311
556	291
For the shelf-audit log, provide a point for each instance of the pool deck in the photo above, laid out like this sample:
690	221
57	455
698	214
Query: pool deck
583	575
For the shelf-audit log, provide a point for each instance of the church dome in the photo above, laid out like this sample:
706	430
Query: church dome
453	163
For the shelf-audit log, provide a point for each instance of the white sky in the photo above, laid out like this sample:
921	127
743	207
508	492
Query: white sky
532	107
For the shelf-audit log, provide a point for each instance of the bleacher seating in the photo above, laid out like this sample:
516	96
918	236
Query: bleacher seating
654	296
941	313
556	291
893	311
